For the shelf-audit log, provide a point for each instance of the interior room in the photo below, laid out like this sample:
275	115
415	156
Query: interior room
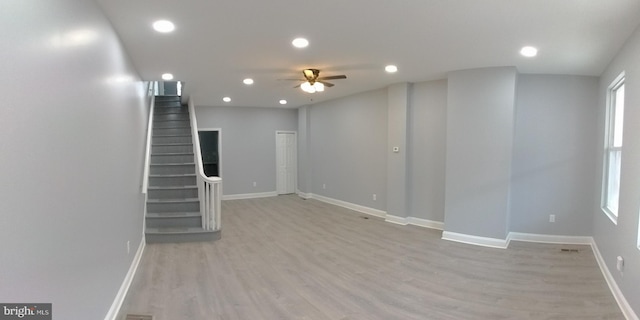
460	136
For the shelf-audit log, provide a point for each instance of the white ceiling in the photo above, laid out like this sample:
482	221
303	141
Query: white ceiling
218	43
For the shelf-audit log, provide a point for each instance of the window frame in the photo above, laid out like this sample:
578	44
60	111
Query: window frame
611	150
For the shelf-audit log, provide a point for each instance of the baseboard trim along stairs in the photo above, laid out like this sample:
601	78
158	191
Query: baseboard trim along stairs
173	204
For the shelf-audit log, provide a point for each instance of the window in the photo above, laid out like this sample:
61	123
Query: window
613	148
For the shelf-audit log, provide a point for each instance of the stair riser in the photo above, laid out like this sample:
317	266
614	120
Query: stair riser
172	238
169	139
172	181
178	158
171	131
171	116
168	98
173	169
155	149
172	124
173	193
173	207
178	222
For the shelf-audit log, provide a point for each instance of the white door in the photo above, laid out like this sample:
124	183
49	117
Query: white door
286	162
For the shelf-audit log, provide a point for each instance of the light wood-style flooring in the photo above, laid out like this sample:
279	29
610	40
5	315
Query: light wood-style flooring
288	258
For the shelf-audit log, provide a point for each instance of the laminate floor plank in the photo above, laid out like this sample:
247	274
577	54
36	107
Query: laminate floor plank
288	258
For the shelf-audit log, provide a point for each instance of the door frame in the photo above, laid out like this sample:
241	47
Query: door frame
295	155
219	146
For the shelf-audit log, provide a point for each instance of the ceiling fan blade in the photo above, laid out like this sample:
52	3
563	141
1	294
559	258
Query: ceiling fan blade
342	76
327	84
298	86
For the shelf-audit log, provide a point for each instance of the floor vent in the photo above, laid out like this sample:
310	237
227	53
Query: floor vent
138	317
570	250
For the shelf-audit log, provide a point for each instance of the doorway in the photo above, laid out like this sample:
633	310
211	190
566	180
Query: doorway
286	161
210	146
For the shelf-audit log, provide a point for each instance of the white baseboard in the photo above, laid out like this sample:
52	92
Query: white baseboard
425	223
546	238
375	212
613	286
124	288
349	205
250	195
475	240
303	195
397	220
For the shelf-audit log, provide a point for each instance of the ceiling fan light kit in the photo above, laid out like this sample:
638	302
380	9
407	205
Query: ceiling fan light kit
312	88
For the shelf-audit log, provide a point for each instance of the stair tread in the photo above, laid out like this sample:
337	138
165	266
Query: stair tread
173	175
173	200
171	144
172	154
173	135
168	215
173	164
172	128
172	187
177	230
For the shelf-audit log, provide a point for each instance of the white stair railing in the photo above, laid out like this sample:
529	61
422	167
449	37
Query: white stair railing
209	188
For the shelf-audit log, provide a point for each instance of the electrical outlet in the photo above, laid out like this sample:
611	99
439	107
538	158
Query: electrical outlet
255	183
375	197
324	186
552	218
128	247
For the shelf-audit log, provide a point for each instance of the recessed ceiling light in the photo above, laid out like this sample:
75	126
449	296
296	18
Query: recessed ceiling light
529	51
391	68
300	42
248	81
167	76
226	99
283	101
164	26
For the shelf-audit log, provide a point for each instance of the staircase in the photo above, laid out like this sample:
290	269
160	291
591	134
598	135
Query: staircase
173	206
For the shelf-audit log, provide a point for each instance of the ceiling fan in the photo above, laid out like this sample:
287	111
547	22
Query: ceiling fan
314	83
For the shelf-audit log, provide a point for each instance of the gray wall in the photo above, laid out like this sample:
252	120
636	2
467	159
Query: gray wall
427	126
554	154
397	108
248	144
480	122
622	239
72	136
349	148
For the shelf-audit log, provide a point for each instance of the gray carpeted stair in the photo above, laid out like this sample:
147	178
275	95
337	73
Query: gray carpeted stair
173	207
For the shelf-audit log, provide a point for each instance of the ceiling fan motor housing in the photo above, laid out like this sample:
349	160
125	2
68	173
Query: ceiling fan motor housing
311	74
